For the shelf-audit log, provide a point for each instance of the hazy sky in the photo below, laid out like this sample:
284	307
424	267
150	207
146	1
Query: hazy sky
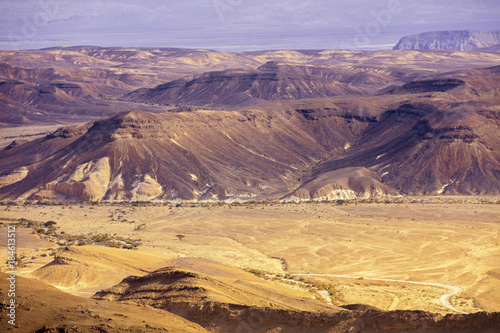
235	24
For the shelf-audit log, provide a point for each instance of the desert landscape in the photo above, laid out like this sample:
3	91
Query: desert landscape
403	255
193	190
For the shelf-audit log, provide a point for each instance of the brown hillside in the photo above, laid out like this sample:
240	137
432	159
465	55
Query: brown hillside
141	156
418	149
437	143
437	134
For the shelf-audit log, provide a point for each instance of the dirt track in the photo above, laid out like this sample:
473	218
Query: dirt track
443	299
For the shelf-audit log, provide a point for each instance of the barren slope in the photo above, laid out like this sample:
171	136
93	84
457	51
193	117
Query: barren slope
142	156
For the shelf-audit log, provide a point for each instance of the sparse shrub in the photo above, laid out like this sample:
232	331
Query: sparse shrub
141	227
256	272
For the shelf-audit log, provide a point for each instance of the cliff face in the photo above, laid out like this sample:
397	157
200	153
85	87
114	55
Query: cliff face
460	40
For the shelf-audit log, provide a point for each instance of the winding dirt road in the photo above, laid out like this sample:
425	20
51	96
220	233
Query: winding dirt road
443	299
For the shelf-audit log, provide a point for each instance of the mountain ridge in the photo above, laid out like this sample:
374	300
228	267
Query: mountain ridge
398	130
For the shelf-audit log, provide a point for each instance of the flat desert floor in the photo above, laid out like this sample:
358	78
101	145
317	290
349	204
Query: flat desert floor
438	255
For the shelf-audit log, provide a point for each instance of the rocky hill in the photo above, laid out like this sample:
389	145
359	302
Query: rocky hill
459	40
58	311
141	156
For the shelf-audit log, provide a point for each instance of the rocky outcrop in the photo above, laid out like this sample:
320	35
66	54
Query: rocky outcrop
14	177
459	40
89	182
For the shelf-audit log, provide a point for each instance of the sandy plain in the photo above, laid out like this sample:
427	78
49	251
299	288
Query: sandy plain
454	242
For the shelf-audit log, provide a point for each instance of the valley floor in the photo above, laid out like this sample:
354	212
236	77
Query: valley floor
357	247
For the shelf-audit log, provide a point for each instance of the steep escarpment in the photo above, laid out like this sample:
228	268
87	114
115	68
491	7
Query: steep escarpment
459	40
443	142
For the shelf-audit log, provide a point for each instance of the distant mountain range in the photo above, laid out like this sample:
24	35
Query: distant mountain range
457	40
